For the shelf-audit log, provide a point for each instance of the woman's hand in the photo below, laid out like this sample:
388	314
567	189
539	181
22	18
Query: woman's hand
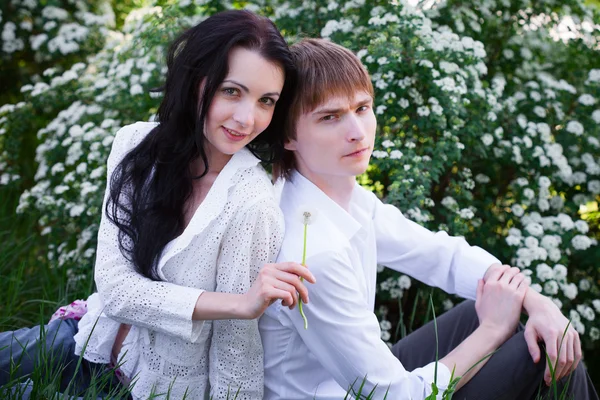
274	282
500	300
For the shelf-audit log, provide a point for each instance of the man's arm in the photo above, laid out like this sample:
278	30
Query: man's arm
547	323
436	259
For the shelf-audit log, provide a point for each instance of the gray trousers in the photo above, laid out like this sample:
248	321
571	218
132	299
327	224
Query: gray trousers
509	374
48	354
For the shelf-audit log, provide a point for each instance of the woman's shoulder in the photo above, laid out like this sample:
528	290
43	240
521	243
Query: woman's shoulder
131	135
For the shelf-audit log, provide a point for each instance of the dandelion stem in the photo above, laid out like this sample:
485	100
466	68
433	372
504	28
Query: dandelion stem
302	279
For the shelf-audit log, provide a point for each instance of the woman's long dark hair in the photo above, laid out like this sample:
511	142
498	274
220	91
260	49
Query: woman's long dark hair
150	186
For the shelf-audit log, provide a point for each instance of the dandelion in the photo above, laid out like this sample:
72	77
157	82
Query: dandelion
308	217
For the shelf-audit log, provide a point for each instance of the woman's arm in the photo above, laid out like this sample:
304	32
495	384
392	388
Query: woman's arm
236	352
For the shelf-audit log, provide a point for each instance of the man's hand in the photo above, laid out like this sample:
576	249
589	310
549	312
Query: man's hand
547	323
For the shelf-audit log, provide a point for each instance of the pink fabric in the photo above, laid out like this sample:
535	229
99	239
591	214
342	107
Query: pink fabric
75	310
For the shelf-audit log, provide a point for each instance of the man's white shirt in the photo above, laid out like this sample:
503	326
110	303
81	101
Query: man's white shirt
342	345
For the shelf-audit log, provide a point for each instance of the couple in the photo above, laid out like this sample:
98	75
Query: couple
191	228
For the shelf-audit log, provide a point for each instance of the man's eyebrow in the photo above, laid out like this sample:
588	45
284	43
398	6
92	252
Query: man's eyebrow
338	110
245	88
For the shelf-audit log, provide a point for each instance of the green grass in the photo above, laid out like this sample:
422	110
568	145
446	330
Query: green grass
31	290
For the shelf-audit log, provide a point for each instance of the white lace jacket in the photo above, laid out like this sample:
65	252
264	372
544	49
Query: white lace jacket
234	232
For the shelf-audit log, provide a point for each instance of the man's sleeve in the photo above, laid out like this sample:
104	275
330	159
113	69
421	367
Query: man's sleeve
436	259
344	335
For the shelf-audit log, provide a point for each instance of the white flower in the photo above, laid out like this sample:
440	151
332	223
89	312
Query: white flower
487	139
387	143
380	154
447	304
136	89
544	272
529	193
76	210
423	111
481	178
570	291
582	226
596	304
449	202
544	182
518	210
575	128
596	116
403	103
539	111
404	282
560	272
594	186
466	213
594	333
581	242
537	287
587	100
554	254
513	240
534	229
551	287
586	312
585	285
396	154
308	215
380	109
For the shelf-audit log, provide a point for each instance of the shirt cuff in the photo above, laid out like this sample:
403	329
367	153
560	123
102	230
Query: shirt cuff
474	263
427	373
184	305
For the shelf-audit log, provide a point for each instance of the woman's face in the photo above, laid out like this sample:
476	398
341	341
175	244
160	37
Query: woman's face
244	102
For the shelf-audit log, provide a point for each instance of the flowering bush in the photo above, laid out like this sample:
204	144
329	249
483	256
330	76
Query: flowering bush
488	128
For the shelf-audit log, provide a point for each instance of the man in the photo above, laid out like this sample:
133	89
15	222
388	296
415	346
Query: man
329	139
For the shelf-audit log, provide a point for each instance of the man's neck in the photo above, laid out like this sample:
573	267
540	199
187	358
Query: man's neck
337	188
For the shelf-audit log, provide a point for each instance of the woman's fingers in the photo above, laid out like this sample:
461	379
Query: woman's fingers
517	280
296	269
294	281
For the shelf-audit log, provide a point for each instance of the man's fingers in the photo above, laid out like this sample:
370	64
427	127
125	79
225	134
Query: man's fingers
531	339
496	272
508	275
517	280
562	366
552	351
577	349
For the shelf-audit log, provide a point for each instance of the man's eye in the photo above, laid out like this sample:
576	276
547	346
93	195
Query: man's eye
362	108
328	118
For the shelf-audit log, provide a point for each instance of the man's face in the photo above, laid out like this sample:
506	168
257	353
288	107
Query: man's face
335	139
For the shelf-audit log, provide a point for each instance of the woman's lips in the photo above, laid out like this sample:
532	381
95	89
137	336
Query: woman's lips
234	135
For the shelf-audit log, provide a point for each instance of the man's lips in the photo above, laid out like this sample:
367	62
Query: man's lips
356	153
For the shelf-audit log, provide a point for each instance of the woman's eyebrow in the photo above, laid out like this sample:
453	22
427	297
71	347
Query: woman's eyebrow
245	88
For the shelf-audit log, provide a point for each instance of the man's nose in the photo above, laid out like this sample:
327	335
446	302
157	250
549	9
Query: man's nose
355	129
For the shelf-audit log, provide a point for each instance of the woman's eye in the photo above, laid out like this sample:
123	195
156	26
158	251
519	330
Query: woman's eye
267	101
230	91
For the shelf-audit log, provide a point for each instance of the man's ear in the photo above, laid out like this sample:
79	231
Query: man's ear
290	145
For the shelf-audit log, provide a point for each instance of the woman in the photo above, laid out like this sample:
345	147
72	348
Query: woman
190	219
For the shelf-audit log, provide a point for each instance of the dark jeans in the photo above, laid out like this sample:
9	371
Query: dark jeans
509	374
48	352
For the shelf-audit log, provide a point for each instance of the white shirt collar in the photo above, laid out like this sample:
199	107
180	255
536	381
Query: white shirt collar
307	194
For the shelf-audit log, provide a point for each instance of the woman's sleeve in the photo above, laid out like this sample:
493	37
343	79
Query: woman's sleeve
236	352
128	296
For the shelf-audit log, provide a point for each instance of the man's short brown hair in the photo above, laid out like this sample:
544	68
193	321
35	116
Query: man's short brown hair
324	70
